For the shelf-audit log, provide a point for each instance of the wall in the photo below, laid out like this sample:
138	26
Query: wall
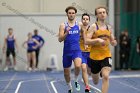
49	6
26	6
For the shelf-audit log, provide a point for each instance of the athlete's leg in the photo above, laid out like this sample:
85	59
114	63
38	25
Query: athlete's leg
84	67
31	63
122	57
84	73
88	66
37	57
28	60
77	59
105	79
67	62
85	77
126	61
67	77
77	64
33	58
7	60
67	74
14	61
14	57
95	78
95	67
88	70
7	57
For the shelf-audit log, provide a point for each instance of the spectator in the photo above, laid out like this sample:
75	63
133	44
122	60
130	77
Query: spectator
124	49
41	43
31	45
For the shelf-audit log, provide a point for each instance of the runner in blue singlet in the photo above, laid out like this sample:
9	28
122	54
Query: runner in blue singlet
9	47
69	33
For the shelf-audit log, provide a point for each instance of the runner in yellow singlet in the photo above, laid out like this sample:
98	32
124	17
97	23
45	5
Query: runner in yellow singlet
100	37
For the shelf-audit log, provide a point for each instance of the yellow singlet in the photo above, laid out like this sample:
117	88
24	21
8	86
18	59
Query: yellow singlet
99	51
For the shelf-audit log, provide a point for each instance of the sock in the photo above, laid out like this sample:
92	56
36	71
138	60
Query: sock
69	85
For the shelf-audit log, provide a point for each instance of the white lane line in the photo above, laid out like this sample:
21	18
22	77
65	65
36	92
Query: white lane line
55	90
52	84
125	76
45	79
15	79
111	76
5	89
94	88
121	76
21	82
118	76
133	87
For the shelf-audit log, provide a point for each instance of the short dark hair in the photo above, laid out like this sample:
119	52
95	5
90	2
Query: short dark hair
85	14
10	29
35	30
70	7
99	8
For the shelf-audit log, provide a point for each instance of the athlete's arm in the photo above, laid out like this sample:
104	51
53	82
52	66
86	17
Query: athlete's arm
88	39
84	33
23	45
4	46
42	41
16	43
37	43
62	34
113	42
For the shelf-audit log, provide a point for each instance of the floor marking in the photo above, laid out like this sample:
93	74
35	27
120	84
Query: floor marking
21	82
54	88
128	85
45	78
4	91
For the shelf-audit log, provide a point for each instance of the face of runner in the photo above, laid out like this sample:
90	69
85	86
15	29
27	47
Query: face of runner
85	20
71	14
36	32
29	35
101	14
10	32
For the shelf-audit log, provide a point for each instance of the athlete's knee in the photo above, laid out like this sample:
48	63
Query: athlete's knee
77	63
105	77
95	79
78	66
66	72
105	73
84	69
